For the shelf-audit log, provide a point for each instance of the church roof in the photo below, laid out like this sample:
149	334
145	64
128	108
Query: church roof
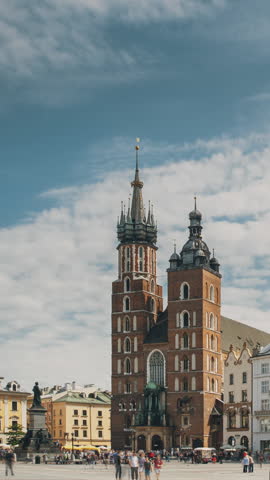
232	333
236	333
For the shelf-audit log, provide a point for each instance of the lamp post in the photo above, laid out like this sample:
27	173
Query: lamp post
72	443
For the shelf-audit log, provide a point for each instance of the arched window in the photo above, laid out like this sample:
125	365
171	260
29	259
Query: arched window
193	361
212	364
118	324
156	368
211	321
212	342
231	441
176	385
127	366
135	344
185	340
140	259
176	363
184	291
185	385
119	345
134	323
136	367
193	339
152	305
177	341
244	441
127	345
126	304
211	293
127	284
212	385
152	286
185	364
185	319
127	324
128	259
118	366
193	383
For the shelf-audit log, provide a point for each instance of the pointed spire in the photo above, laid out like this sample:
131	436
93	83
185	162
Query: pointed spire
195	203
137	207
128	212
152	216
122	221
149	214
174	246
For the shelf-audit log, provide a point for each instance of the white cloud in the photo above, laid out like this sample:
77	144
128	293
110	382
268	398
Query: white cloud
57	267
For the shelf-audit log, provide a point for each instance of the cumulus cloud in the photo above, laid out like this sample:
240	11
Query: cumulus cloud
57	267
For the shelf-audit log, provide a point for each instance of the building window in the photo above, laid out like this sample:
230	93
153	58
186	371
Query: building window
14	406
84	412
127	284
185	385
244	395
211	293
185	364
119	345
266	404
100	423
76	433
184	291
265	386
185	320
127	324
211	321
119	366
127	345
128	388
193	340
232	420
231	379
60	421
231	397
75	412
185	421
84	422
14	424
127	366
212	364
100	434
244	377
126	304
244	419
212	385
99	413
60	433
265	425
84	433
265	368
231	441
76	422
152	305
152	286
185	340
156	368
60	412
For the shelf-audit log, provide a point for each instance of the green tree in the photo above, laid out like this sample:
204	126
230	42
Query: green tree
15	433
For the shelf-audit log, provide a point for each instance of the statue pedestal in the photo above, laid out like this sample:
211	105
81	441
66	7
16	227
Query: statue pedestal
37	420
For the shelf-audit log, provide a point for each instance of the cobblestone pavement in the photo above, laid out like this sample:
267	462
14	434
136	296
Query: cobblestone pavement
171	471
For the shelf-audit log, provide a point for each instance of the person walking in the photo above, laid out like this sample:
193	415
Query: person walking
158	466
141	465
9	461
117	464
245	463
147	468
251	464
134	466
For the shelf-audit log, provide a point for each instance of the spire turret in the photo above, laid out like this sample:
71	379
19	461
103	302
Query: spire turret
134	226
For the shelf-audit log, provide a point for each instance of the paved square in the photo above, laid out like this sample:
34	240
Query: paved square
171	471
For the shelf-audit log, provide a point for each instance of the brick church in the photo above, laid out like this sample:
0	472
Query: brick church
166	364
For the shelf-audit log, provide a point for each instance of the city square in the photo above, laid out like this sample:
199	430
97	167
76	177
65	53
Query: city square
171	471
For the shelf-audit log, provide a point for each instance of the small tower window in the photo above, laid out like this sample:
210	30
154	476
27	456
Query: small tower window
185	291
185	364
152	286
185	385
127	345
185	319
211	293
127	366
185	340
141	259
212	385
152	305
126	304
127	284
211	321
127	324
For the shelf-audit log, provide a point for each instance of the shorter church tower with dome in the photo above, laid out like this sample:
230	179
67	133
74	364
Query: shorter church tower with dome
166	364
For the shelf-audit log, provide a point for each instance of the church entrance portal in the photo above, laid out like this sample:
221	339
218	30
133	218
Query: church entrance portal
157	443
141	442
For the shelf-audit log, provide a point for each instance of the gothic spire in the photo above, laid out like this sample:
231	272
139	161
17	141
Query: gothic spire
137	207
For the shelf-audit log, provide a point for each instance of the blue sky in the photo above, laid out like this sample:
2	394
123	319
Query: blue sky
80	80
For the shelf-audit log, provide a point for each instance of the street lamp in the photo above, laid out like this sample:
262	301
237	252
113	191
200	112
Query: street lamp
72	443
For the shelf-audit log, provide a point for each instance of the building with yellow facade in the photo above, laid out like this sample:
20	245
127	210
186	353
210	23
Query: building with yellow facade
78	415
13	408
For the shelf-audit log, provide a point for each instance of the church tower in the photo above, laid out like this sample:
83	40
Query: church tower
136	303
194	359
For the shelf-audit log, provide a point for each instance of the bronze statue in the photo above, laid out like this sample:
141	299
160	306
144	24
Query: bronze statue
37	396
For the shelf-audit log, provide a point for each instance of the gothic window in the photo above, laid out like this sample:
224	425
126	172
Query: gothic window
140	259
136	365
119	345
184	291
156	368
212	364
126	304
212	385
176	385
127	284
211	293
193	383
127	324
212	342
185	319
185	364
128	259
118	324
152	305
185	385
152	286
211	321
176	363
185	340
127	347
127	388
127	366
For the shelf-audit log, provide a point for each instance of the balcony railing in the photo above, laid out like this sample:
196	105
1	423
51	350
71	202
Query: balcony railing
262	413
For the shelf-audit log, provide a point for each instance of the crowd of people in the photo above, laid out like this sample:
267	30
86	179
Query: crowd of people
139	464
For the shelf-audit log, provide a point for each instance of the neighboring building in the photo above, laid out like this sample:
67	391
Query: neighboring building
237	418
83	413
166	366
261	398
13	408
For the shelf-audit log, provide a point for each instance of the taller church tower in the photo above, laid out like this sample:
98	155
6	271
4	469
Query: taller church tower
136	303
194	357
